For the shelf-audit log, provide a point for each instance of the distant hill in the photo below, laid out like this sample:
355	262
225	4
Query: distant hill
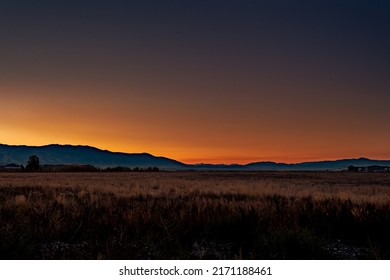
86	155
83	155
340	164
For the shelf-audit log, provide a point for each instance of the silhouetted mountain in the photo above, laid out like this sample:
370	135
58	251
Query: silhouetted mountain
83	155
340	164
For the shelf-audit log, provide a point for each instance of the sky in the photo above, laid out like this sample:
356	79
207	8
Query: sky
214	81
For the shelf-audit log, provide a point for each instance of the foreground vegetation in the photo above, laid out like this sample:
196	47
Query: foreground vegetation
198	215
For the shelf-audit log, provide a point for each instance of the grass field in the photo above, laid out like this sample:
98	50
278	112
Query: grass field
195	215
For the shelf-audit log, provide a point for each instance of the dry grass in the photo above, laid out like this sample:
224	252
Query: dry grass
223	215
358	187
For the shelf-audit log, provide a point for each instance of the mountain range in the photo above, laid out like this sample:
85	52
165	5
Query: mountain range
85	155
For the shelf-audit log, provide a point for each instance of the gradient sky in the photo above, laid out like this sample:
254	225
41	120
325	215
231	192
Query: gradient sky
199	81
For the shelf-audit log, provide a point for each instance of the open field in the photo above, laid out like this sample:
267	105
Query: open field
195	215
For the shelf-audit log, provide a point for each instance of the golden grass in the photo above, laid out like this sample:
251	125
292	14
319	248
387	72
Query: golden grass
357	187
179	214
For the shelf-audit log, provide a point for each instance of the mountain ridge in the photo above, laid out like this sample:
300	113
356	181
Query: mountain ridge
83	154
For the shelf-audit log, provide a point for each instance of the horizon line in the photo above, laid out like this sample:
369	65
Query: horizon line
211	161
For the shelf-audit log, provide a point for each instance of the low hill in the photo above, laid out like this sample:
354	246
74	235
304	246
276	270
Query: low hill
331	165
84	155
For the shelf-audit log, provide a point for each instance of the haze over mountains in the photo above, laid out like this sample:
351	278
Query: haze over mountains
82	155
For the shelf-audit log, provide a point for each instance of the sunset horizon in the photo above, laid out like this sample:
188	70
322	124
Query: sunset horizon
199	81
220	131
217	160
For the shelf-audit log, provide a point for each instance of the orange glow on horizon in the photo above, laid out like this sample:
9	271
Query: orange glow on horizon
197	83
231	135
219	159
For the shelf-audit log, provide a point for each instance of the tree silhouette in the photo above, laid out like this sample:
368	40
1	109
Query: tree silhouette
33	163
